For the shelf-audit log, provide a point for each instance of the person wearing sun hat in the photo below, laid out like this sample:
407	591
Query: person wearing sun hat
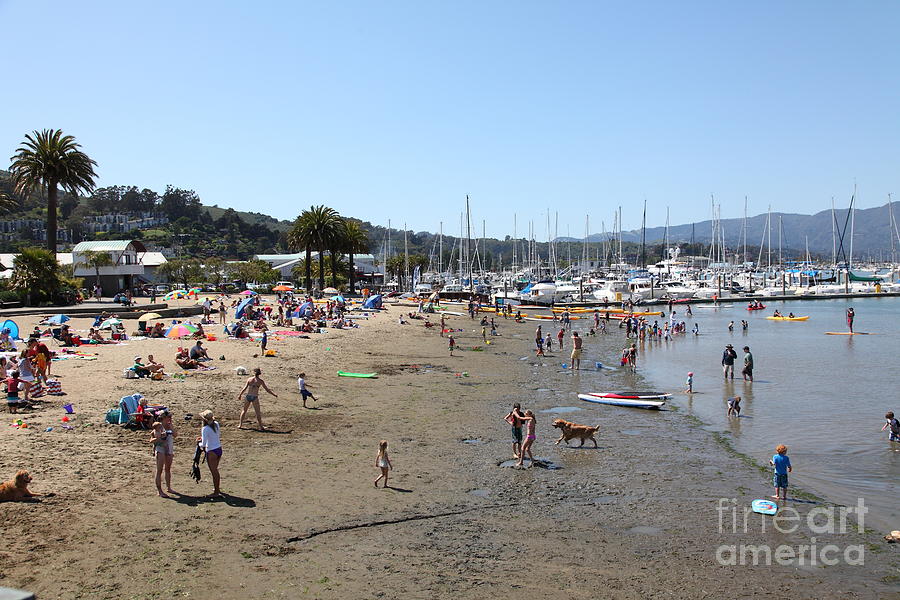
210	442
728	358
689	383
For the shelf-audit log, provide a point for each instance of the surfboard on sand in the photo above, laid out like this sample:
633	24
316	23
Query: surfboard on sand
361	375
847	333
764	507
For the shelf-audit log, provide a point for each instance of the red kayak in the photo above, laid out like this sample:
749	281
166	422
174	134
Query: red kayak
760	307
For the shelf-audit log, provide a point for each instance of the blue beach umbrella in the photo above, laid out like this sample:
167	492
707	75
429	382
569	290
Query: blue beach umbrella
239	311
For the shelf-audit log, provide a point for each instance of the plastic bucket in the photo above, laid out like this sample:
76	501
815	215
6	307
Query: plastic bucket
69	409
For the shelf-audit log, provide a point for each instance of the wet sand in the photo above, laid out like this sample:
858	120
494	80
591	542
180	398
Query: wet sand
635	518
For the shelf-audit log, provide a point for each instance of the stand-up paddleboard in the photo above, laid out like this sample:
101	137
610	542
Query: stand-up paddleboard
806	318
362	375
451	312
847	333
764	507
634	400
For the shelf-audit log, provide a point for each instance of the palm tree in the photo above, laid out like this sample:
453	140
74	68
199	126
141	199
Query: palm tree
35	274
96	260
353	241
300	237
314	229
46	160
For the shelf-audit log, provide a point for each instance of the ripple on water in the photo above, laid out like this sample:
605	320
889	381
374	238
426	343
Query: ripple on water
561	409
542	463
645	530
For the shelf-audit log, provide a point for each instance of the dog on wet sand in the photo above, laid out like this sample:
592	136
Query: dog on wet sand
570	430
16	489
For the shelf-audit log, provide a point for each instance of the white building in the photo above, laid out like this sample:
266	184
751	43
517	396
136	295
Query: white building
126	270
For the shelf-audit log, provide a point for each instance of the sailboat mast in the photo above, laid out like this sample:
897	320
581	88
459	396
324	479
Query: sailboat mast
441	251
468	240
406	255
893	228
745	229
643	237
852	223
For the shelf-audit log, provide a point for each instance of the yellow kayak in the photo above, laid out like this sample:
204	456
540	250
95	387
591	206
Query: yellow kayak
806	318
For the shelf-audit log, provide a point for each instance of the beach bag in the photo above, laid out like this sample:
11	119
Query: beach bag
113	415
129	374
54	387
35	389
157	376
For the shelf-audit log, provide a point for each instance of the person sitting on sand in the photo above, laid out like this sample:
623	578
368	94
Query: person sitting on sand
7	344
198	352
183	360
200	333
140	368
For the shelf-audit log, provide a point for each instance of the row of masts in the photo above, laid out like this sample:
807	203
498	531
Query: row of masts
468	256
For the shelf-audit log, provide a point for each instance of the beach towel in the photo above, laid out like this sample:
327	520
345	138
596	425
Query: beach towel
195	468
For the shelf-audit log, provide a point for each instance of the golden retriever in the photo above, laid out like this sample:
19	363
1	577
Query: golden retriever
16	489
572	430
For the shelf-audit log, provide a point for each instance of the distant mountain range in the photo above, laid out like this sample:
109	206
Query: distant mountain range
872	232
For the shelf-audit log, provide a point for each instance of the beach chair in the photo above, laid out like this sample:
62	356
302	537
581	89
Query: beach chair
129	416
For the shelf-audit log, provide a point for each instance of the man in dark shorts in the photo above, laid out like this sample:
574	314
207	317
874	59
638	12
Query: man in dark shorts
747	371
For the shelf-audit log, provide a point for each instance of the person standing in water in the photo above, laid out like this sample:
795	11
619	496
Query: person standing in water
251	397
728	357
851	314
576	350
514	418
747	371
530	426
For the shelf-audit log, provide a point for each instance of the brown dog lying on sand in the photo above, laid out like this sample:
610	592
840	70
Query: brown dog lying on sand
16	489
573	430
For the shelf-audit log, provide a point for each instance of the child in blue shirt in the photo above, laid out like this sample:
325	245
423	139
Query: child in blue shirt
782	465
689	383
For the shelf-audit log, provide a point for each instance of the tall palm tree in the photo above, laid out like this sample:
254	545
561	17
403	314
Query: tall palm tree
300	238
353	241
47	160
315	229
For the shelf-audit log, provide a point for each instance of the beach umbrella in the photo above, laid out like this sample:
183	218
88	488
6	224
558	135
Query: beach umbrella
175	295
239	311
149	316
181	330
248	293
329	290
58	319
108	324
339	298
282	288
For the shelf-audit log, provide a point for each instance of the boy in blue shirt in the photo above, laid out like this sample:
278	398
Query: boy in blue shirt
782	465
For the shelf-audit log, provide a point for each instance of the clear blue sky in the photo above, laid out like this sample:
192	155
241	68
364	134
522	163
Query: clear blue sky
399	109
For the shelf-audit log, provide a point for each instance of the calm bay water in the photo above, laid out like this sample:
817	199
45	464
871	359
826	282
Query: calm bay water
824	396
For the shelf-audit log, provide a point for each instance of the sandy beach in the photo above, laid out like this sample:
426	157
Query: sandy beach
635	518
